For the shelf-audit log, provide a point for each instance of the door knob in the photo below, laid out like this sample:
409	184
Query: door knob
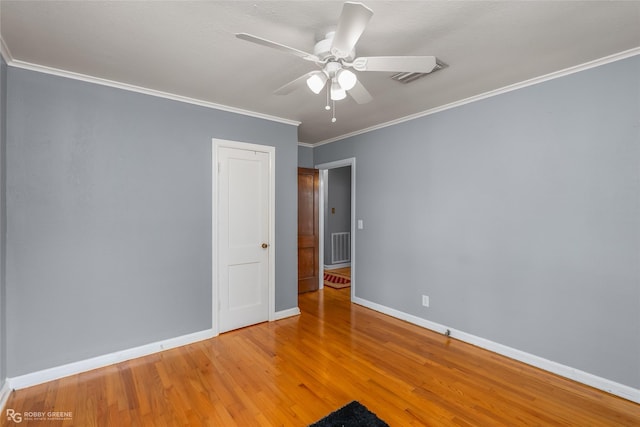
265	245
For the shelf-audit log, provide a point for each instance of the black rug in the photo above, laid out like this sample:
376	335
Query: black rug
352	415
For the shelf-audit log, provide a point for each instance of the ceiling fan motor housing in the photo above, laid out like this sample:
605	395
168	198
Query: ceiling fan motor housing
332	68
322	49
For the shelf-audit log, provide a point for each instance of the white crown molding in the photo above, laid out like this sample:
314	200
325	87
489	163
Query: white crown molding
574	374
146	91
73	368
5	52
541	79
305	144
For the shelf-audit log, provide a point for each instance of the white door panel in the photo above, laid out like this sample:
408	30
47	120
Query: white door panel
243	228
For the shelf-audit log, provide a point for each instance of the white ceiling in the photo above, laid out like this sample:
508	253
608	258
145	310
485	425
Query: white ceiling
189	49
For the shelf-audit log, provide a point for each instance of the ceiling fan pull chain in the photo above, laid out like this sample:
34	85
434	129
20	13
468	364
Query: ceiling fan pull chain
333	119
327	106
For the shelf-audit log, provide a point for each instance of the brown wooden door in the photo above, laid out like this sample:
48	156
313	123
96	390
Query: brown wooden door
308	229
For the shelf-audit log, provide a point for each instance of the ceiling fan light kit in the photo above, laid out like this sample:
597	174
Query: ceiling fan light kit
346	79
317	81
336	53
337	92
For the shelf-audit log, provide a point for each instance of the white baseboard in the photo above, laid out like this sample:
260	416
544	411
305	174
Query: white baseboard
50	374
57	372
283	314
336	266
5	391
595	381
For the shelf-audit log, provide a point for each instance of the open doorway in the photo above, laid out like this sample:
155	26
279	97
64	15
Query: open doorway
337	219
337	227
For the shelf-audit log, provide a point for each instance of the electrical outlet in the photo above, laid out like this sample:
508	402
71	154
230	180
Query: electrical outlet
425	300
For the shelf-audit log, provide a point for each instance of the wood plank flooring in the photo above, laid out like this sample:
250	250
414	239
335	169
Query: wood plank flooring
295	371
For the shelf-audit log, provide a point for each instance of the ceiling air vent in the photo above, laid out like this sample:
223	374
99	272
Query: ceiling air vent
410	77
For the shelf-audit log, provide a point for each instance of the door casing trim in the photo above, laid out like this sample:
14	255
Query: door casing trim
324	167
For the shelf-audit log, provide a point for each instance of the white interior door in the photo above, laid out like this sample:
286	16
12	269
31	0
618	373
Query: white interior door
243	232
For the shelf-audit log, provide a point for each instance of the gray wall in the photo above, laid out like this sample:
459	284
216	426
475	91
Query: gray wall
3	219
109	217
338	196
519	215
305	157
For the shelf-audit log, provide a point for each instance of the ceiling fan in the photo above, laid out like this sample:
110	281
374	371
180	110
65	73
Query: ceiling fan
336	55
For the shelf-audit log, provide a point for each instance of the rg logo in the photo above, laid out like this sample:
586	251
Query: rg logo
14	416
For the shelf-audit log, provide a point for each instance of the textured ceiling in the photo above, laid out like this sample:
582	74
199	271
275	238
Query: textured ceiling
189	49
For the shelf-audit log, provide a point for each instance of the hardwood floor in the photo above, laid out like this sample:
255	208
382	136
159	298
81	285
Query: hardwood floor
295	371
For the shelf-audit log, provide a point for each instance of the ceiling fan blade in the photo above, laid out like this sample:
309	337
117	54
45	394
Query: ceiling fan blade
360	94
353	20
409	64
278	46
294	84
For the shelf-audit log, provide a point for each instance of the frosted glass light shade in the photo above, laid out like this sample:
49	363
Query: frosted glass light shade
337	93
346	79
317	81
